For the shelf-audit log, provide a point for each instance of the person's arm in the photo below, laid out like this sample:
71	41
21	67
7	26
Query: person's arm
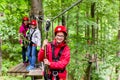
38	40
64	60
41	53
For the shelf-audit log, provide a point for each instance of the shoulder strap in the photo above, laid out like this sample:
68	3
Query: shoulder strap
59	53
32	35
52	46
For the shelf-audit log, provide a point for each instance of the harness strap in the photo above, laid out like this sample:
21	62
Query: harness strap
30	43
59	53
54	72
60	71
32	35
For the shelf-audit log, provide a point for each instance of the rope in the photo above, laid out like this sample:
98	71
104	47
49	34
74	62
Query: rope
66	10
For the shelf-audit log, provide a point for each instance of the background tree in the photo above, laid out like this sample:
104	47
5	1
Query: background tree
36	12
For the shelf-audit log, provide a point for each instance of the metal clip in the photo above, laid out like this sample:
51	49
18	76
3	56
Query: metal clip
55	73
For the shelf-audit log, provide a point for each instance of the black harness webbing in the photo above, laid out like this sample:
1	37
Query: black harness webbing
55	72
32	35
59	53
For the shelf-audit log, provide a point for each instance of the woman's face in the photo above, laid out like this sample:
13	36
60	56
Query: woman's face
60	37
26	22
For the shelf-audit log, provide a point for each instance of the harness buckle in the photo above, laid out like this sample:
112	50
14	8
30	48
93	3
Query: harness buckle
55	73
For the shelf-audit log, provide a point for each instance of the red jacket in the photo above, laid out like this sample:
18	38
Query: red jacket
64	59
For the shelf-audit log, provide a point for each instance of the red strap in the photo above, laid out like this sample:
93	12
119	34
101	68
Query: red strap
34	44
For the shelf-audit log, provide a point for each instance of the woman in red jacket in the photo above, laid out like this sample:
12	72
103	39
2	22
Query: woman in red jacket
58	54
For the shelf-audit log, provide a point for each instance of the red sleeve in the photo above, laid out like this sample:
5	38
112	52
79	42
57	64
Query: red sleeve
41	55
64	60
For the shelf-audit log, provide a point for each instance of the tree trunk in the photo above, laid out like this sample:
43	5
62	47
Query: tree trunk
92	15
63	20
37	11
96	61
91	58
87	35
87	29
63	16
97	29
77	28
88	69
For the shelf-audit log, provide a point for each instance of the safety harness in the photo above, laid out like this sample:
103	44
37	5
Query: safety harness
31	43
54	72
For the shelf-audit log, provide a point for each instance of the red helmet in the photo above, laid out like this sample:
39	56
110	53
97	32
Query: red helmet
34	22
25	18
60	29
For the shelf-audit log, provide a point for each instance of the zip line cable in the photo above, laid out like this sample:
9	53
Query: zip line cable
66	9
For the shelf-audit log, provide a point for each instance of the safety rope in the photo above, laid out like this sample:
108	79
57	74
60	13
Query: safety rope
76	3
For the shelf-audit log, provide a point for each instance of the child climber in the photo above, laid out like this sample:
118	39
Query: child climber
22	32
57	55
34	37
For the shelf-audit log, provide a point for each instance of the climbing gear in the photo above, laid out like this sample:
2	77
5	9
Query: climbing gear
59	53
64	11
60	29
70	7
47	25
34	22
54	72
46	70
31	43
25	18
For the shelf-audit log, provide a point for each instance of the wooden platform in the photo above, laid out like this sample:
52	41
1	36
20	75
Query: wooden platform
20	69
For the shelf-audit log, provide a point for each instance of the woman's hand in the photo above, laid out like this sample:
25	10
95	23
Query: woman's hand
46	62
44	43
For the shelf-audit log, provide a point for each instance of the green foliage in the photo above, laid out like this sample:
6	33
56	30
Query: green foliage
13	14
14	78
9	51
78	19
13	11
105	50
